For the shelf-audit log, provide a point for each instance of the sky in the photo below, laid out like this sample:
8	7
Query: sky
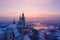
31	8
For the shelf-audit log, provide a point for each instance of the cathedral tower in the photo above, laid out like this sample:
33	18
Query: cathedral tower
22	21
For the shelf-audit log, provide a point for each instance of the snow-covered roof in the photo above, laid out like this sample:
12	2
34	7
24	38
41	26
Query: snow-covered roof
47	32
8	30
15	30
1	31
57	33
58	38
26	37
51	27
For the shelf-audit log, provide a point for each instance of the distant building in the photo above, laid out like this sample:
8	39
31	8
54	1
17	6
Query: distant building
14	22
2	35
9	33
21	22
17	34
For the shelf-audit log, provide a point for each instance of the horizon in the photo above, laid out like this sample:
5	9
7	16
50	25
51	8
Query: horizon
41	9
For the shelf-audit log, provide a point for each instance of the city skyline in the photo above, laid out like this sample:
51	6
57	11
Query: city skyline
29	19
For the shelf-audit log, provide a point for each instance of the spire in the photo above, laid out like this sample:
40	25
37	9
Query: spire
22	14
14	21
22	20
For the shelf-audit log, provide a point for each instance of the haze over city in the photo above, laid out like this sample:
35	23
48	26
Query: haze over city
29	19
